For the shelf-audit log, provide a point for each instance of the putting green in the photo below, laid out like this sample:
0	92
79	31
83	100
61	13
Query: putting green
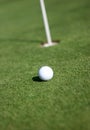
62	103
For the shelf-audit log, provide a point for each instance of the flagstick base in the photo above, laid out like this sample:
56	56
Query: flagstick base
49	44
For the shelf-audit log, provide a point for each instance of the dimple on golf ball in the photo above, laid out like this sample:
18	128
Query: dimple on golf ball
45	73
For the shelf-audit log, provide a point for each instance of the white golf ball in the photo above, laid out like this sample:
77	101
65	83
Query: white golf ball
45	73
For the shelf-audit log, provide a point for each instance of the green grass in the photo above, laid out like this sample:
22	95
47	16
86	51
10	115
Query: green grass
62	103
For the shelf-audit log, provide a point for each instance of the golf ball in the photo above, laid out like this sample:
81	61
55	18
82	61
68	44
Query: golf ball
45	73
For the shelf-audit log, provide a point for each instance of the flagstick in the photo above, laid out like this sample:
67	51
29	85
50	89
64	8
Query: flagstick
46	25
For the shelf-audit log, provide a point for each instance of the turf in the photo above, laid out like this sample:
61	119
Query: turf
62	103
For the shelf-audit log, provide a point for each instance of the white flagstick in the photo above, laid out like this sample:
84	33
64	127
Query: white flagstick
46	23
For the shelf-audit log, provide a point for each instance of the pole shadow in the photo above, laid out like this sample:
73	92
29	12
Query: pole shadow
19	40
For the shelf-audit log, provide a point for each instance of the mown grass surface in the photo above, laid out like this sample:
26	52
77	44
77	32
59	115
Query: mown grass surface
62	103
